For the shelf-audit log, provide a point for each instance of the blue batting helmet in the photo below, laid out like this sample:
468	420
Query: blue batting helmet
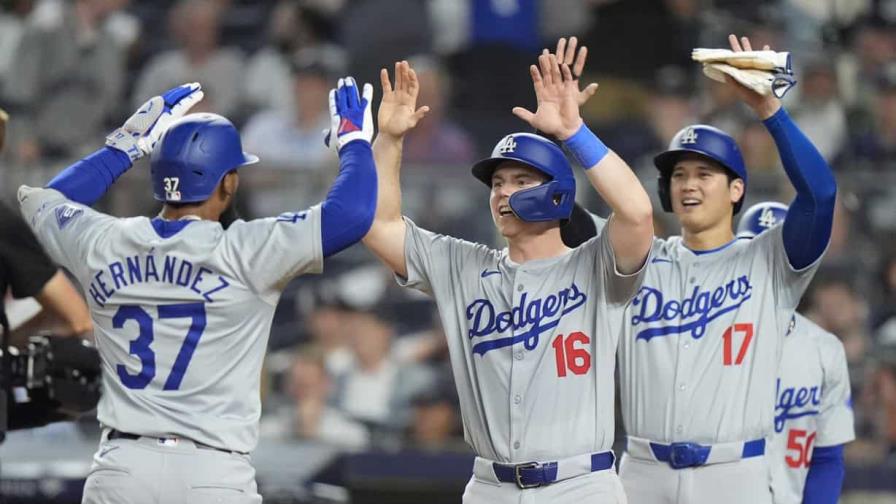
552	200
193	156
760	217
706	141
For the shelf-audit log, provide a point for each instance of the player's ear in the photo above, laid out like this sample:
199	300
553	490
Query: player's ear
736	189
229	184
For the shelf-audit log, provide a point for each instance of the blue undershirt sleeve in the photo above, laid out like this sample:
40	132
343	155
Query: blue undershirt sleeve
348	210
807	227
826	473
88	180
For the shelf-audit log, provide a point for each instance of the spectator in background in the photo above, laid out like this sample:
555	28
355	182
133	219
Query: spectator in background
269	79
12	26
436	423
68	78
294	159
195	26
874	141
311	416
437	140
820	112
377	389
292	139
834	304
879	406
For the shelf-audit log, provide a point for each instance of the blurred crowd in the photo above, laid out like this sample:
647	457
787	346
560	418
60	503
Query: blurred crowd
356	361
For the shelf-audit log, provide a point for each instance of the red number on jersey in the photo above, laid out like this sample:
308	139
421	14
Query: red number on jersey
577	360
727	354
803	449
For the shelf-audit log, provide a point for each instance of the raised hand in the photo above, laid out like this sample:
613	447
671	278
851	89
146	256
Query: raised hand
557	94
143	130
398	113
566	54
764	106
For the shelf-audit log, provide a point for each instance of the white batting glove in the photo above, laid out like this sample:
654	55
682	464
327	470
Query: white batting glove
142	131
350	115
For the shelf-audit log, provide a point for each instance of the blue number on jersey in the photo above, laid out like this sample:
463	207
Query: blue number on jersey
140	346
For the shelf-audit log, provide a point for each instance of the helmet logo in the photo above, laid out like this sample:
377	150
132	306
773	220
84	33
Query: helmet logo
506	145
171	185
767	218
689	137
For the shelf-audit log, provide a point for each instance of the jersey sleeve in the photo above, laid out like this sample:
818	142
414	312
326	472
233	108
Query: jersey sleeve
26	264
619	288
272	251
429	255
63	227
789	284
835	419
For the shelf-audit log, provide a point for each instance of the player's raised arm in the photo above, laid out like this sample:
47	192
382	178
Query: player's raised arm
347	211
807	226
88	180
397	115
558	96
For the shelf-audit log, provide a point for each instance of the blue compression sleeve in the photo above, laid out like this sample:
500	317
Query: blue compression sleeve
347	212
826	473
88	180
807	227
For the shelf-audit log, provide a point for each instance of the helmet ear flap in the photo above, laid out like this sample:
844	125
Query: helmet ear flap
663	190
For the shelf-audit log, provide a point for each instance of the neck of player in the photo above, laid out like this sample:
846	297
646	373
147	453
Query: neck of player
204	211
542	243
709	238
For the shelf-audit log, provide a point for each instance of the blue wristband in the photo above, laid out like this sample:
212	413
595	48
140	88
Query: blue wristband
586	147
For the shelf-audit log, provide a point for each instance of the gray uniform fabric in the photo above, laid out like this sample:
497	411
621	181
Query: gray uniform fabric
812	406
532	345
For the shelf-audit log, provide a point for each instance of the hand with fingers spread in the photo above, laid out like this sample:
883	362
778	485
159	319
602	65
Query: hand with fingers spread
398	113
557	95
765	106
566	54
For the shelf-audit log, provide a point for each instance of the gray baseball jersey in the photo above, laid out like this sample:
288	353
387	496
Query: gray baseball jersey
182	310
532	345
703	338
812	407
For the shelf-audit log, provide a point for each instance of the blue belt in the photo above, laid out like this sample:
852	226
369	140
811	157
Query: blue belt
683	455
536	474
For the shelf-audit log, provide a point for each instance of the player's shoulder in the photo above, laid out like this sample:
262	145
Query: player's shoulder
828	344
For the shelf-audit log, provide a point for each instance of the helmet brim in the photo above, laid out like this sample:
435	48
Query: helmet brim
485	168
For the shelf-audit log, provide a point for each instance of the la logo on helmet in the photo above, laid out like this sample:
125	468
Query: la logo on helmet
507	145
690	137
767	218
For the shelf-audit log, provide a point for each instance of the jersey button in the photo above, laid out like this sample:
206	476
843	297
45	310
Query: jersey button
679	429
687	344
519	288
518	355
516	445
693	279
682	387
517	399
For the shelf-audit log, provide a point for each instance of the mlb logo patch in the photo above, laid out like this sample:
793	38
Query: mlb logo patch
65	214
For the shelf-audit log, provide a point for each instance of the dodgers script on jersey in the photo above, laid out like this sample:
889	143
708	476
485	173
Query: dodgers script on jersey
703	338
182	310
532	345
812	407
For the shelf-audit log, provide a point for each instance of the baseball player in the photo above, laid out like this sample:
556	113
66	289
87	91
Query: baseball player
813	413
532	329
182	307
703	337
